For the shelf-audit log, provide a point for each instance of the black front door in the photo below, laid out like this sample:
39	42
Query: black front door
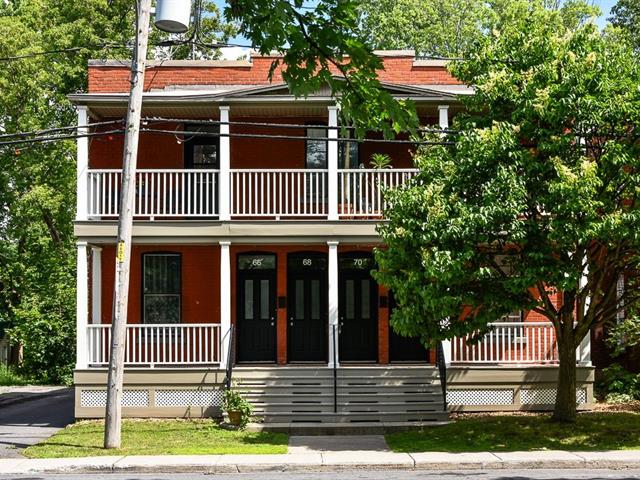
256	308
404	349
358	309
307	307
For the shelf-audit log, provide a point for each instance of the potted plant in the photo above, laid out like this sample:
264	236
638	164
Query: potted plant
380	161
237	408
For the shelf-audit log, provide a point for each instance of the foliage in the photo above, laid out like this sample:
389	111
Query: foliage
504	433
624	334
323	46
450	28
626	14
535	198
617	381
380	161
158	437
9	377
234	402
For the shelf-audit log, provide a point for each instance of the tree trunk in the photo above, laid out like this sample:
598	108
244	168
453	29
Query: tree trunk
565	407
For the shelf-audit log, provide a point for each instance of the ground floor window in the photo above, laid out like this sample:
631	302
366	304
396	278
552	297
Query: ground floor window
161	287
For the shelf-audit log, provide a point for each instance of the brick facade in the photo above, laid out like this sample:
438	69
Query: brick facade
115	78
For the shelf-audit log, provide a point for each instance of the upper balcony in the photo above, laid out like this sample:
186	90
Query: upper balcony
221	144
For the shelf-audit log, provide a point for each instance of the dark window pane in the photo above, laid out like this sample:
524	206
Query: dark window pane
257	262
299	299
161	309
315	299
248	299
264	299
365	298
316	149
205	156
350	300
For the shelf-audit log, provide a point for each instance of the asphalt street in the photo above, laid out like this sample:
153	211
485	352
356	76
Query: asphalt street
360	475
31	421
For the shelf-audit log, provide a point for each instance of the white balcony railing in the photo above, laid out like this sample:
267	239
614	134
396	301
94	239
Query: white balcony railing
253	193
509	342
159	193
151	345
278	193
361	191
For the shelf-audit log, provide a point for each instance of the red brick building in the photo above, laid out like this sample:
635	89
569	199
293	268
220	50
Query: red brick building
255	221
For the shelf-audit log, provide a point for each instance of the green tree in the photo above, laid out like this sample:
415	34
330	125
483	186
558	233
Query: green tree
626	14
451	28
37	182
536	197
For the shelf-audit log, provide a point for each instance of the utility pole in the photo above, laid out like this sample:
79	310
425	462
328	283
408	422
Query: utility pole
113	416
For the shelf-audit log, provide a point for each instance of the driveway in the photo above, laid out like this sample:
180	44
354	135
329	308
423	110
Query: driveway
32	420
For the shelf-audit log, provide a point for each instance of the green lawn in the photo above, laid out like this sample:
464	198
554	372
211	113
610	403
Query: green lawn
477	433
158	437
9	377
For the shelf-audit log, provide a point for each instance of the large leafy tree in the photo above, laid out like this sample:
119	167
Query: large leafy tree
450	28
626	14
37	181
537	196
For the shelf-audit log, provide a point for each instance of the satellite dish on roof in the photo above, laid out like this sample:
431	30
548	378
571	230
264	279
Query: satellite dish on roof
173	16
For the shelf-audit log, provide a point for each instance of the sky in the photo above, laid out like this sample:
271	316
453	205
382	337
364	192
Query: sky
233	53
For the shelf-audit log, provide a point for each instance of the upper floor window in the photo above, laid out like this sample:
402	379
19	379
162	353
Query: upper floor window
161	287
316	150
201	151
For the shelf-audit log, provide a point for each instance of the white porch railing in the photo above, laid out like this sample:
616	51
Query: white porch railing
159	193
509	342
278	193
151	345
253	193
361	191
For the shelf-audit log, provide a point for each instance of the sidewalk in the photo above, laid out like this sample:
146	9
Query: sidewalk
328	461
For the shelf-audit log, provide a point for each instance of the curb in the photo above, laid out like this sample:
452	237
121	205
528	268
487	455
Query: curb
328	461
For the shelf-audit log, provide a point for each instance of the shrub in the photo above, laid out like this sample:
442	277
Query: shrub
618	398
618	382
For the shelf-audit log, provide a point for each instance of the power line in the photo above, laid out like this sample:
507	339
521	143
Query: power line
55	138
104	46
60	129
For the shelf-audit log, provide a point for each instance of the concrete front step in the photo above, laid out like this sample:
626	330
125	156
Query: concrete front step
352	407
306	382
342	389
328	428
352	417
343	398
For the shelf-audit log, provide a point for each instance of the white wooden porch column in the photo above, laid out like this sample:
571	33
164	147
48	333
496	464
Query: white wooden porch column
332	163
96	285
443	116
334	324
446	350
82	166
82	306
225	165
583	352
225	301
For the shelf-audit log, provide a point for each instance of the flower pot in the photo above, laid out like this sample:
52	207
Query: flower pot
235	418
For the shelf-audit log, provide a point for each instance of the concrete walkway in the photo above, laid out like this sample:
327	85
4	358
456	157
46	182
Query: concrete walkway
329	460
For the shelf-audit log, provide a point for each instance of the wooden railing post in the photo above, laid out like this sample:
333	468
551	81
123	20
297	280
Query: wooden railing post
225	165
332	163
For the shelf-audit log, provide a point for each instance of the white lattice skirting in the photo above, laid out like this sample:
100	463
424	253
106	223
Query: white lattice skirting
506	396
163	398
547	396
502	396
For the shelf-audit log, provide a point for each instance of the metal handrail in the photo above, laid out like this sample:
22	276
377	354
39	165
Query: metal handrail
229	370
441	363
335	372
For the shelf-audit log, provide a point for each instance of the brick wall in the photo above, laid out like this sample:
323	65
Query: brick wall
200	282
112	78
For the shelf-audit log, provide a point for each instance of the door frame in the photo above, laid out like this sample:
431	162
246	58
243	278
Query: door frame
241	275
324	291
374	305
